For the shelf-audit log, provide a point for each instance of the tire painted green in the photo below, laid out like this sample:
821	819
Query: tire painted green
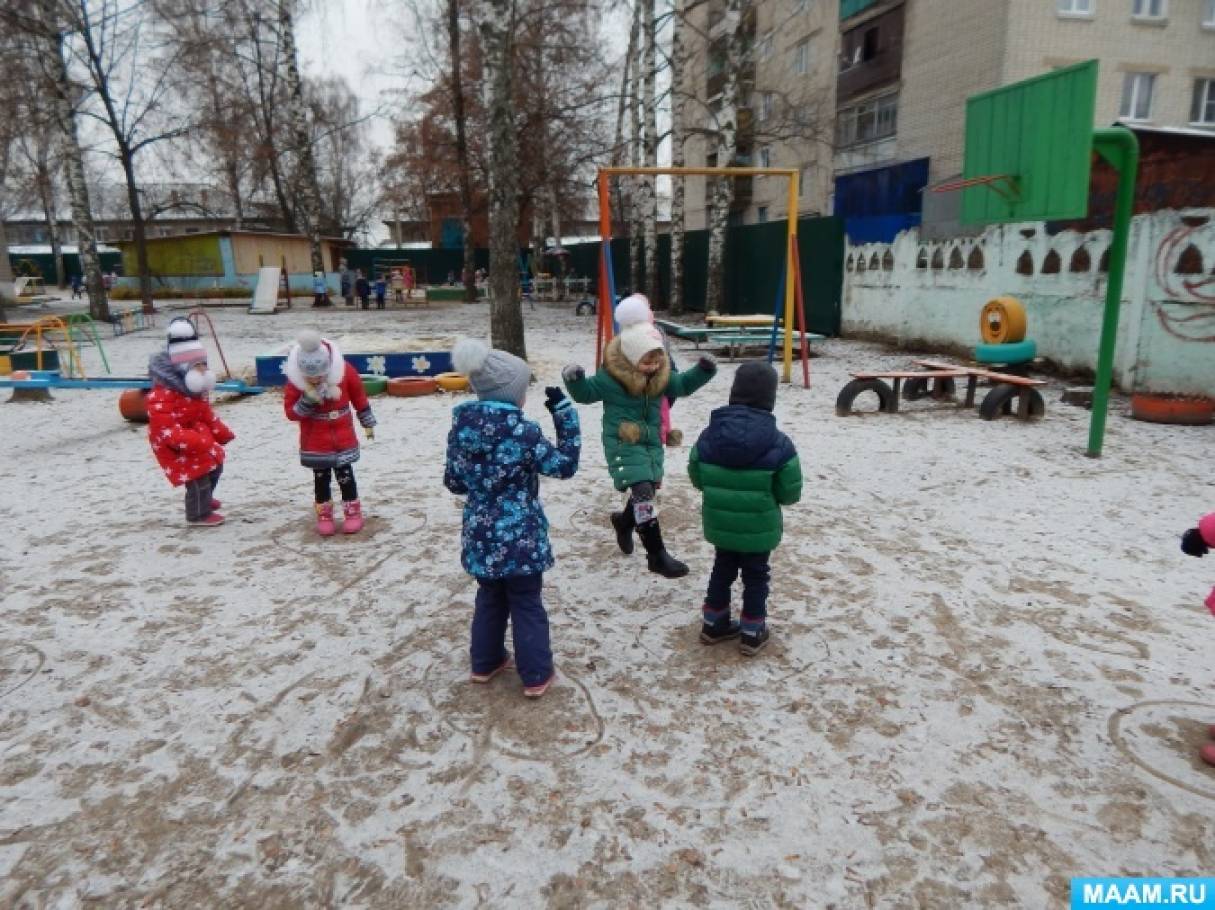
374	385
1018	352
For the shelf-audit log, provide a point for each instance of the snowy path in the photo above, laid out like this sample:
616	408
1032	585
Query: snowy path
990	668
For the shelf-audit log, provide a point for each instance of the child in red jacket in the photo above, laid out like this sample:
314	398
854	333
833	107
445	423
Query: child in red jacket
322	389
186	436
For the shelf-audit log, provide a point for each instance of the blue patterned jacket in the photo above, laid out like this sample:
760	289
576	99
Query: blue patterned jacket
494	457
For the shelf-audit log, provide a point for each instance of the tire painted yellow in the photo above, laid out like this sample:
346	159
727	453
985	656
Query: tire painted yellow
1002	321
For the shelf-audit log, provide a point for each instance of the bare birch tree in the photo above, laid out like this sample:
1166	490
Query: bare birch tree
496	25
727	147
42	25
308	202
679	63
649	184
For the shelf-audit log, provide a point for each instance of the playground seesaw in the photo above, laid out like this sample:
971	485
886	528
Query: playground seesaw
51	379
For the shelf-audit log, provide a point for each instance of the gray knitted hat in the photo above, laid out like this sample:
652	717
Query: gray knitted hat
494	375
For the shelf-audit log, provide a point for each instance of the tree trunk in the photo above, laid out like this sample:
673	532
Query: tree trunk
309	203
139	228
7	292
636	228
618	150
678	188
497	40
46	195
461	117
727	149
649	207
62	94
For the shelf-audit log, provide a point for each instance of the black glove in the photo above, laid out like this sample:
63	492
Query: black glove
554	399
707	363
1192	543
573	373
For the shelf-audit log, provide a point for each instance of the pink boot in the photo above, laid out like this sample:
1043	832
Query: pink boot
353	522
324	519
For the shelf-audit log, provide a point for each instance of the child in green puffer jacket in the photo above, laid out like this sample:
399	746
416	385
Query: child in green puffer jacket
635	378
747	469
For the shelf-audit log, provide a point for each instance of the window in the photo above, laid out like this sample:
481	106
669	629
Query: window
1149	9
1137	96
1075	7
761	215
801	58
868	121
765	156
762	104
1208	14
1202	112
860	46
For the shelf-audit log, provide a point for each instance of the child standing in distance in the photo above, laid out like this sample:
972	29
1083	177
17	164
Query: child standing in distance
495	457
635	378
747	469
186	436
381	292
362	287
1198	541
320	292
322	390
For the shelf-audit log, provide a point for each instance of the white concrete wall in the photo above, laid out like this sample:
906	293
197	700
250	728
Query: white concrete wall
1166	339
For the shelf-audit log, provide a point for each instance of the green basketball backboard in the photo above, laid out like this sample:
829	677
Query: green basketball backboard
1039	135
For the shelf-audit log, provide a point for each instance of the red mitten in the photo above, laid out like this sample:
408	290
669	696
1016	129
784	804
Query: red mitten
1210	601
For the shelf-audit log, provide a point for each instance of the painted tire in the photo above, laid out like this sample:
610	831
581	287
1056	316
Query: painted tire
1175	409
133	405
374	385
412	386
1002	321
1018	352
849	393
452	382
1002	399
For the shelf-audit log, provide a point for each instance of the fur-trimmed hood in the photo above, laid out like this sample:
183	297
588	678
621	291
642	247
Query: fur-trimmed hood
163	373
635	382
333	379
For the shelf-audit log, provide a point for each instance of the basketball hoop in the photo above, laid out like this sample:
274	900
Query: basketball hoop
1011	191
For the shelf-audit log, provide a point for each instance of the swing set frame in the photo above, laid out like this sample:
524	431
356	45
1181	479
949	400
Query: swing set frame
792	276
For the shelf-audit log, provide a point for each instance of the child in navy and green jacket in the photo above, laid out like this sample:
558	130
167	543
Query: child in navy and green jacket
747	469
495	457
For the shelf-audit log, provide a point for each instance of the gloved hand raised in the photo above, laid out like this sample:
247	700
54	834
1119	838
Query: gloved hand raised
707	363
555	399
573	373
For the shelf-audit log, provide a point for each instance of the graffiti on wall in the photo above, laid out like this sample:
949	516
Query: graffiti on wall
1181	274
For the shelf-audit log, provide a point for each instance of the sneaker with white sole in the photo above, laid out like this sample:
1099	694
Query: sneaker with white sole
506	664
540	688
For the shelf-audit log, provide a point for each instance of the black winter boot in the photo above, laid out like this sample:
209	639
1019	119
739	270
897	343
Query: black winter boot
624	524
657	557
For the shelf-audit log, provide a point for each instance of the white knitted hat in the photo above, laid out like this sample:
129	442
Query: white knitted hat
634	310
638	340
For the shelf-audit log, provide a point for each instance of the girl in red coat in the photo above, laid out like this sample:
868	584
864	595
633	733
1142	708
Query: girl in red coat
186	436
322	389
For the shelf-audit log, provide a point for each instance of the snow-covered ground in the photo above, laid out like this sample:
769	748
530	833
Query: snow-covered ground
990	668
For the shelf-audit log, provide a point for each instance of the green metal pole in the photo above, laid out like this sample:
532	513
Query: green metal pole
1120	148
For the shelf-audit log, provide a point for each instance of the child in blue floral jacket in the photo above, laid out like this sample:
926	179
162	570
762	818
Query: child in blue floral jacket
494	457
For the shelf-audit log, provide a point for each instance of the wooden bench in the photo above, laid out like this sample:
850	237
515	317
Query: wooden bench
938	380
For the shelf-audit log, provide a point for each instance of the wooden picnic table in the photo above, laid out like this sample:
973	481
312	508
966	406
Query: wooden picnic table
937	379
